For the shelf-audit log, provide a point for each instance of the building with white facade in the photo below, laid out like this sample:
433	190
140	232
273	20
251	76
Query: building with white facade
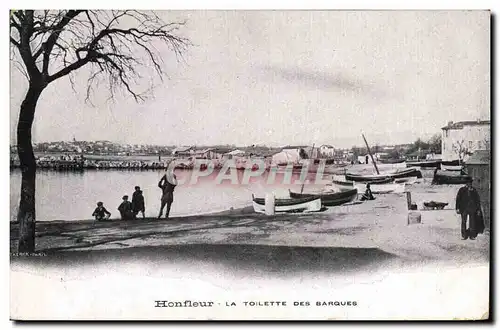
461	139
326	151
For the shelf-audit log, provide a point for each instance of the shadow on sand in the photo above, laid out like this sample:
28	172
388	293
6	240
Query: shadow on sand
278	260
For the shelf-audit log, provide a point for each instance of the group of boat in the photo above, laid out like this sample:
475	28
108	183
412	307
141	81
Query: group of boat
349	185
307	202
394	181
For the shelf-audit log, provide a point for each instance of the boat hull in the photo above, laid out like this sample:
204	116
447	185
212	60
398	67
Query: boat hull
383	178
451	162
392	161
408	180
344	183
290	205
330	199
424	164
407	173
450	177
451	167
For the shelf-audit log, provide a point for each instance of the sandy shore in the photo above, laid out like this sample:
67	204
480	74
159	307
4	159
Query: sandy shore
380	224
364	252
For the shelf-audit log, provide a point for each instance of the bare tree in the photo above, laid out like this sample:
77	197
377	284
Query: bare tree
51	44
486	143
460	147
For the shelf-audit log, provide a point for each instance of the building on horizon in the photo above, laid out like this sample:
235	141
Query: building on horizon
463	138
326	151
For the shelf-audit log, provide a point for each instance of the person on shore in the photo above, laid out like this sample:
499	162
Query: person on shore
434	178
167	185
367	196
125	209
100	213
468	205
138	202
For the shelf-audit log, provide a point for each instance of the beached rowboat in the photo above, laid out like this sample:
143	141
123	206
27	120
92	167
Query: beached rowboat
450	162
409	180
450	177
424	163
367	177
307	204
343	183
385	177
392	161
451	167
330	199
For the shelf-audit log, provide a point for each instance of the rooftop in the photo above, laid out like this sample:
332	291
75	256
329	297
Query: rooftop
461	124
181	149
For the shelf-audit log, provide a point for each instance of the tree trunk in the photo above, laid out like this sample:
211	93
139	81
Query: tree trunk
26	215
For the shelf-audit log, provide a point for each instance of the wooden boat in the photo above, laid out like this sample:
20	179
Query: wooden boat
451	167
450	162
392	161
389	188
385	177
432	205
289	205
424	163
409	180
450	177
343	183
407	173
366	177
330	199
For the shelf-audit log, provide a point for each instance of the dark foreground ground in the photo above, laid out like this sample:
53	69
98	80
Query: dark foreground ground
365	252
361	234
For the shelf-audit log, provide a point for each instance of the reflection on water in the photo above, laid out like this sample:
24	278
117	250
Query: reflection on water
73	195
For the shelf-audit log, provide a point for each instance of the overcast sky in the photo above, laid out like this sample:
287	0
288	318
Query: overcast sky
294	77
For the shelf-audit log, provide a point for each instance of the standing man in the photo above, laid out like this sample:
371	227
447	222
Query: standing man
138	202
167	185
468	205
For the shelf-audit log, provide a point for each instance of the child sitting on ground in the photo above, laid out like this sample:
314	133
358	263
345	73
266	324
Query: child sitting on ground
100	213
367	196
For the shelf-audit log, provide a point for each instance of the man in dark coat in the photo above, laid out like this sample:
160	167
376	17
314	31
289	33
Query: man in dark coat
125	209
138	202
468	205
167	185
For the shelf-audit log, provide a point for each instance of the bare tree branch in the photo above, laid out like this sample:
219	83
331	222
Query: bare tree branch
25	29
119	45
52	39
15	43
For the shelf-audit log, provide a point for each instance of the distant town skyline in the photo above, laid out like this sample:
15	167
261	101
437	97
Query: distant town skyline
37	145
290	77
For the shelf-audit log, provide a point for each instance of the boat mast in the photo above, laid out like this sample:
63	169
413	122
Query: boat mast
312	152
369	151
